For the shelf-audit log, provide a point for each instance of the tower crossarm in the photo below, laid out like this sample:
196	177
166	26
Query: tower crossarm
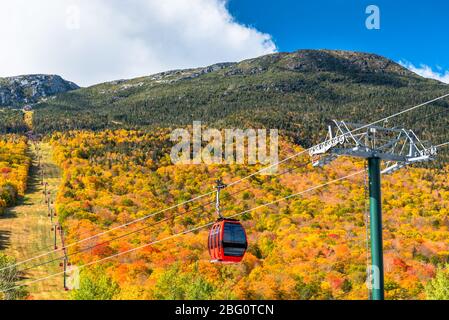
393	145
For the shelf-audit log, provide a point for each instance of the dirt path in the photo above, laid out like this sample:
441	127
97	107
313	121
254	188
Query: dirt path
26	228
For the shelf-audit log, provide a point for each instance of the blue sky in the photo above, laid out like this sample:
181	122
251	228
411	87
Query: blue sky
101	40
410	31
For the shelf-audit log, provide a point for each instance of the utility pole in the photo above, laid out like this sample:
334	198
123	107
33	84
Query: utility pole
55	227
49	208
220	186
65	274
45	189
397	147
65	262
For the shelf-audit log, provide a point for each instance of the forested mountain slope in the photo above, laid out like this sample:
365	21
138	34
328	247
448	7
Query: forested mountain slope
296	92
12	121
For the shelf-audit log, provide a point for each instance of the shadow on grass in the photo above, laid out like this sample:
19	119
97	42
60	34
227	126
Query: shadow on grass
9	213
34	182
34	185
5	239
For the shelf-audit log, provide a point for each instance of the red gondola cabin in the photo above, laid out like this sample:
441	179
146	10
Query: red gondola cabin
227	241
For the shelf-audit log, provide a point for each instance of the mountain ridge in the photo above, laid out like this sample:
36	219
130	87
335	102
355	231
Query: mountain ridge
294	92
304	60
307	60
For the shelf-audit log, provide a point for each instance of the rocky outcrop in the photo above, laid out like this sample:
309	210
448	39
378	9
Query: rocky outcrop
28	89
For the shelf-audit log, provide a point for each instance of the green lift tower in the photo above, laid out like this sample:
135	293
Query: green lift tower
386	150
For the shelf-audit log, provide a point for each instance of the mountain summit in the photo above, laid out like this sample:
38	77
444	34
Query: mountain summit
20	90
335	61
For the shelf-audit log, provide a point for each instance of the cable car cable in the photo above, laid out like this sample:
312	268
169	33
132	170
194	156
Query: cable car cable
190	230
233	183
190	210
143	228
113	239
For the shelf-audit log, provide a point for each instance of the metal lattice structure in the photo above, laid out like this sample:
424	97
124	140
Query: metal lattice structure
394	148
398	147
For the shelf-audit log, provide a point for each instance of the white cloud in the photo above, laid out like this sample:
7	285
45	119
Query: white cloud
91	41
426	71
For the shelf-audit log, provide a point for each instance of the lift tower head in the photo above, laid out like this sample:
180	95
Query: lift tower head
397	147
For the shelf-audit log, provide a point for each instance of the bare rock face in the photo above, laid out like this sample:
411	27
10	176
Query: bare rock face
342	61
27	89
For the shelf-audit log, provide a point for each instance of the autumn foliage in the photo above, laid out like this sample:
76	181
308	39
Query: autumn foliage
313	246
14	166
